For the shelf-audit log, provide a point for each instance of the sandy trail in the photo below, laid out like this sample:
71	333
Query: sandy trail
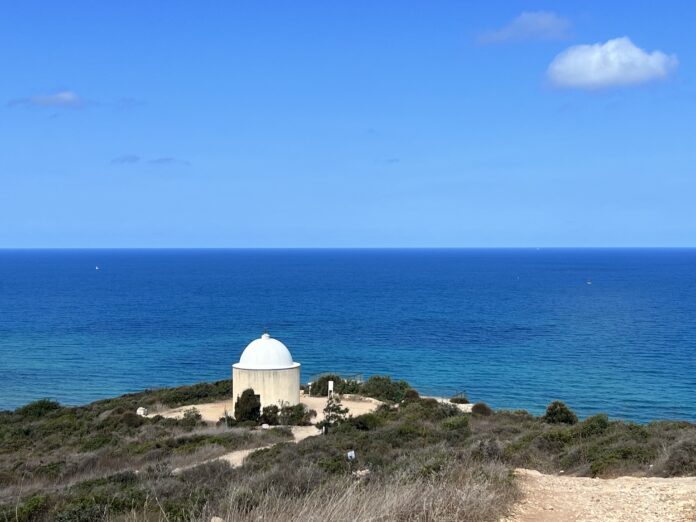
550	498
236	458
213	411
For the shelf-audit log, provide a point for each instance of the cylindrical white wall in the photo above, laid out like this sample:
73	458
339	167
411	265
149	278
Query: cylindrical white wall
277	387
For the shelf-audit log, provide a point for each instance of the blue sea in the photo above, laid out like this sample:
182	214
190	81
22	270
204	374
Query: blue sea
604	330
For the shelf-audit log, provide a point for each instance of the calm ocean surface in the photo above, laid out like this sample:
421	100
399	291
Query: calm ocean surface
514	328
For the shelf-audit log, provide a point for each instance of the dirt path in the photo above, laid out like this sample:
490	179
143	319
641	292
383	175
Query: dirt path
211	412
214	411
236	458
550	498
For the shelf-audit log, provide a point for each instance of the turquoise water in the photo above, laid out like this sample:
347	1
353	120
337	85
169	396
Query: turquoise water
514	328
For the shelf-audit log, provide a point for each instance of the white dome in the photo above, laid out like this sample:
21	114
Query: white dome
266	353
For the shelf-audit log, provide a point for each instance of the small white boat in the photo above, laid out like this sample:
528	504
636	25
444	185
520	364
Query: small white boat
96	268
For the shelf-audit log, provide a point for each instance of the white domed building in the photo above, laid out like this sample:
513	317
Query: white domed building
266	366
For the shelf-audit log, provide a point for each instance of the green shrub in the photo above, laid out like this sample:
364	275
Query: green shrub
192	394
80	509
605	459
298	415
384	389
282	432
682	459
366	422
430	409
191	417
594	426
349	386
247	407
558	413
31	508
411	395
407	431
335	464
334	412
131	420
269	415
460	422
38	408
553	441
320	387
96	442
481	408
459	400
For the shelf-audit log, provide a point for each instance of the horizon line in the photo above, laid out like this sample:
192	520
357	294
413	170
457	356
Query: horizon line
552	247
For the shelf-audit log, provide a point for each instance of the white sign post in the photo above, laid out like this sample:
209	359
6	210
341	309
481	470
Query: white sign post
330	388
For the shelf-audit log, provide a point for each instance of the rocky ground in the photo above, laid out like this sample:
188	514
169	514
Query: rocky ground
551	498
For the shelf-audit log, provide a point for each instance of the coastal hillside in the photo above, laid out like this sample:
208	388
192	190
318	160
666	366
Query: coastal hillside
408	458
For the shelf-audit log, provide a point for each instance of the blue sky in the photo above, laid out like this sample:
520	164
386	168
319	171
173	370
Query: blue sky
338	124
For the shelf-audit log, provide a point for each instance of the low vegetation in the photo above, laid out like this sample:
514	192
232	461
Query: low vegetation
379	387
247	407
482	409
248	413
413	459
52	456
558	413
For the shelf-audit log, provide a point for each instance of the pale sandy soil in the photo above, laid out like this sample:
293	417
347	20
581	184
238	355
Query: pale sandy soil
210	412
356	405
236	458
551	498
213	411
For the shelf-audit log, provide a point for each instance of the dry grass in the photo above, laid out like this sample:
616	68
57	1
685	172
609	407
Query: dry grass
464	491
423	460
461	492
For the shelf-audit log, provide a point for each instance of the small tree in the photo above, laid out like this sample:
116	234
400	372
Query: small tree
247	407
334	412
320	387
411	395
269	415
559	413
191	417
481	408
297	415
384	389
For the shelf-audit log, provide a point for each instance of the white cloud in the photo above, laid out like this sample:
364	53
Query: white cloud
535	25
57	99
614	63
168	161
126	159
132	159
